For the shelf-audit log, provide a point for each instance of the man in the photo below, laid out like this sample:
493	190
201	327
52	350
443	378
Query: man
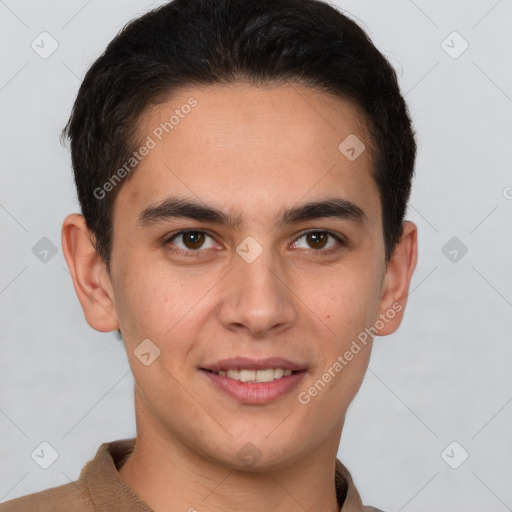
243	171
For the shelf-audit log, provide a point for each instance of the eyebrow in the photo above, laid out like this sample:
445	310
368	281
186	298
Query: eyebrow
176	207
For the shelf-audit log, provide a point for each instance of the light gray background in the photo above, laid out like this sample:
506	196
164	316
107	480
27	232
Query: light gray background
443	377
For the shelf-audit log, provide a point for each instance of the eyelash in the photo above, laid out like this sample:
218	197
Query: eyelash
197	252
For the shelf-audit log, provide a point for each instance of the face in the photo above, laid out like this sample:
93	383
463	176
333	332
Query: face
256	274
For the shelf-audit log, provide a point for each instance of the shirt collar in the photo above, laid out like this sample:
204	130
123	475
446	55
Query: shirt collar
110	493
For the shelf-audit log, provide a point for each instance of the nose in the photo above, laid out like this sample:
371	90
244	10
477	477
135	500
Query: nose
257	298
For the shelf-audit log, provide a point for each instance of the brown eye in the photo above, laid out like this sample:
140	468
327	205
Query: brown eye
318	240
190	242
193	239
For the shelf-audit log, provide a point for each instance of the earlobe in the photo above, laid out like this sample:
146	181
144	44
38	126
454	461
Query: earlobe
397	279
88	271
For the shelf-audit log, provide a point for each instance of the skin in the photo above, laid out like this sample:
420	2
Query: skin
235	151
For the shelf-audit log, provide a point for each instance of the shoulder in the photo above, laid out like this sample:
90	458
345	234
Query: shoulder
72	497
97	487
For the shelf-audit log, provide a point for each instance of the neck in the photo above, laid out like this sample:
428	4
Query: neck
167	475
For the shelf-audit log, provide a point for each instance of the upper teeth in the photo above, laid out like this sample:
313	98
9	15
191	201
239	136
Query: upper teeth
267	375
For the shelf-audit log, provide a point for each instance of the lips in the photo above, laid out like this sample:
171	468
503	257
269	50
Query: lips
247	363
255	393
235	377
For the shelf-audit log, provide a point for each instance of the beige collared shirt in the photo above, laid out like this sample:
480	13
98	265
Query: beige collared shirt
99	488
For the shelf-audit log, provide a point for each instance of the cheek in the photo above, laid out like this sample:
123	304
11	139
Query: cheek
157	302
348	306
345	301
145	303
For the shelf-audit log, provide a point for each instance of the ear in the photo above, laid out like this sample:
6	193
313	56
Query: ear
397	278
90	278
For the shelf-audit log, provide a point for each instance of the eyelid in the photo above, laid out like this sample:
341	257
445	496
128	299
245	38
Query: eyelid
337	236
168	239
340	239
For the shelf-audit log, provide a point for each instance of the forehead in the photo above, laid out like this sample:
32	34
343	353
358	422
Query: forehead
250	147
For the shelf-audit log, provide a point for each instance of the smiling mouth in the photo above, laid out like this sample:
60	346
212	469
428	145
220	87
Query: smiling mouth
250	389
255	376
